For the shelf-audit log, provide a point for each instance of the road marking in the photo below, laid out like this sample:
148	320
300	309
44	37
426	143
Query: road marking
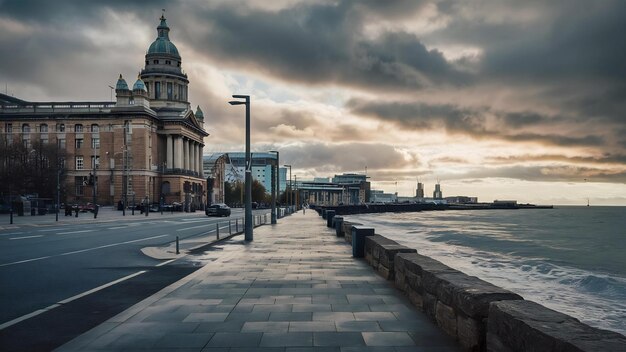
116	228
166	262
21	238
68	300
48	230
82	250
71	232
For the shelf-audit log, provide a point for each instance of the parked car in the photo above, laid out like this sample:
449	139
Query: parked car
217	210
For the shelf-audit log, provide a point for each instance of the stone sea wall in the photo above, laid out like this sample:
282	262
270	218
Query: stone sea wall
479	315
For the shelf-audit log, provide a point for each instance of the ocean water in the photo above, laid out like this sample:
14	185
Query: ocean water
570	259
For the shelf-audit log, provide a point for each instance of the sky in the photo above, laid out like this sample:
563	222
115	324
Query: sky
498	99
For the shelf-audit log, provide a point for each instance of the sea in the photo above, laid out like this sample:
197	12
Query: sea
570	259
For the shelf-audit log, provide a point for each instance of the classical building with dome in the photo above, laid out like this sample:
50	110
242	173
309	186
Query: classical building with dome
146	146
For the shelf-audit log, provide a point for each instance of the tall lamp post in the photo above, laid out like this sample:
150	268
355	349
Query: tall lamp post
289	194
275	185
248	179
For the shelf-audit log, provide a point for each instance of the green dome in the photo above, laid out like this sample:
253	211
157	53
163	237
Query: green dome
199	114
121	84
162	44
139	85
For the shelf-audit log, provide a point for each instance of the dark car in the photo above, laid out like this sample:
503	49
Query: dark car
217	210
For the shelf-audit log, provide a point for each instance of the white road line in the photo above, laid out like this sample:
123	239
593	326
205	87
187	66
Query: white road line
166	262
48	230
25	261
71	232
116	228
82	250
21	238
68	300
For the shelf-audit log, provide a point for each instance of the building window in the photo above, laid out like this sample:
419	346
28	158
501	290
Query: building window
95	128
95	143
180	92
79	143
168	62
79	183
26	142
43	128
61	143
61	127
25	128
78	128
157	90
169	91
80	163
95	162
8	128
147	62
178	64
156	62
44	139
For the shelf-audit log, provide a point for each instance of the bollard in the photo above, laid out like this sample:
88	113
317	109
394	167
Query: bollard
324	214
236	225
358	239
177	248
338	222
217	230
230	230
330	214
147	209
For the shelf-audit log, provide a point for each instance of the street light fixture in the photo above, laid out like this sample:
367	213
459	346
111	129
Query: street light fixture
248	179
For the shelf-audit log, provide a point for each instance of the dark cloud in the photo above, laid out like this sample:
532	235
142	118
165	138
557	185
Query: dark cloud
475	122
551	173
604	159
346	157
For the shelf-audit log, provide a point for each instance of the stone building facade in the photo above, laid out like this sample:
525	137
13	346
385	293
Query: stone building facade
145	146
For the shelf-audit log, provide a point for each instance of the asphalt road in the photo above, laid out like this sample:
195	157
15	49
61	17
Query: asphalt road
53	268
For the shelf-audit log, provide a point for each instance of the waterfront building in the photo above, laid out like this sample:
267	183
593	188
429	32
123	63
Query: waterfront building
145	145
347	189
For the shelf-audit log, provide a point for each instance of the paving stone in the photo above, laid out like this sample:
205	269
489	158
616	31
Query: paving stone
183	340
205	317
311	326
265	326
388	339
378	316
286	316
234	339
360	326
341	339
287	339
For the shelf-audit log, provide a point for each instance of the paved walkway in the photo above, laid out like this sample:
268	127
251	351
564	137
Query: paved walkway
294	288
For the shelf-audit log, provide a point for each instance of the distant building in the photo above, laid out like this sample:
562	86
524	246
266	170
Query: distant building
420	190
437	194
232	166
379	196
461	200
348	189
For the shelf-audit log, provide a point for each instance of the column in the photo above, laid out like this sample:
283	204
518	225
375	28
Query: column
192	155
178	152
200	161
169	156
186	153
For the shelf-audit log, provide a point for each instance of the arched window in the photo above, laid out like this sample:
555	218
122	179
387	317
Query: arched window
78	128
43	128
25	128
95	127
60	127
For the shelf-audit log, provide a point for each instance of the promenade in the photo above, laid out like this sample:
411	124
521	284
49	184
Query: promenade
294	288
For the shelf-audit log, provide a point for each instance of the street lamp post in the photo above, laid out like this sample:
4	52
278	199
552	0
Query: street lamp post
275	185
248	179
290	200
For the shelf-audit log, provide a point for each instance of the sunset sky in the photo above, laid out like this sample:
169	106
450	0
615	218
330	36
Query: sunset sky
497	99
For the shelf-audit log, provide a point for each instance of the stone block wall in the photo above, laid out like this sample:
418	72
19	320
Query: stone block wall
457	302
380	252
517	326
